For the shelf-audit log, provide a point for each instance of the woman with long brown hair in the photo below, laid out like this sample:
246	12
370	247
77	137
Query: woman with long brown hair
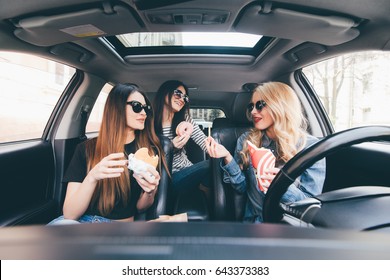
100	187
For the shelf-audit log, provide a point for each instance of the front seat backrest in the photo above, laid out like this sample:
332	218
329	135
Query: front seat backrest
162	203
228	204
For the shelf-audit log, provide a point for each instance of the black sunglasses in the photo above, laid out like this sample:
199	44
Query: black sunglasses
259	106
137	107
179	94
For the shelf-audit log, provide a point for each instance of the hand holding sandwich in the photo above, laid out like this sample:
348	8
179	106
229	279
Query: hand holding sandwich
144	168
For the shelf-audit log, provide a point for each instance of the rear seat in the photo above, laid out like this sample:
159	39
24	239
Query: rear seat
193	201
226	205
194	152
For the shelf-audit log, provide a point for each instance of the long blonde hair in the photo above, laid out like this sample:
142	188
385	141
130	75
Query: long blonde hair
289	126
111	139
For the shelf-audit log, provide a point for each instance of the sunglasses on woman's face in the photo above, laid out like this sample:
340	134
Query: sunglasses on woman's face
179	94
259	106
137	107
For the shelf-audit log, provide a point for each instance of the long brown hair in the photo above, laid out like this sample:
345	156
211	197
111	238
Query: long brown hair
112	139
289	122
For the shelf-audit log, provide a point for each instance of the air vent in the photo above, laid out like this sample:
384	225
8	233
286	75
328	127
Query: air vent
204	17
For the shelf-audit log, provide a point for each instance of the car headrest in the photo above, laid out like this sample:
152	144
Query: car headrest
238	113
228	136
239	109
222	123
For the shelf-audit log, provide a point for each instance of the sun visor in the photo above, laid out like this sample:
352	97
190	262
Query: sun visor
95	22
289	24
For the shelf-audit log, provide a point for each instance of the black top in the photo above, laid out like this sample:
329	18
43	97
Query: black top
77	171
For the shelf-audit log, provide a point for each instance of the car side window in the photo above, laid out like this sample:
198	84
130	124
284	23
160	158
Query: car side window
95	118
350	87
204	117
30	88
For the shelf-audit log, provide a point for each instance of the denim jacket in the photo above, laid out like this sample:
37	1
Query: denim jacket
308	184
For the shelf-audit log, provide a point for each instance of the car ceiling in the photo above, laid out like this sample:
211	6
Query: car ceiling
32	26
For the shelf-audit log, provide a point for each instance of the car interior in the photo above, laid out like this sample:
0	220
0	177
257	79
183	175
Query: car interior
95	39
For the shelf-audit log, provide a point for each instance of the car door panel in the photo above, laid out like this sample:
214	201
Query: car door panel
26	172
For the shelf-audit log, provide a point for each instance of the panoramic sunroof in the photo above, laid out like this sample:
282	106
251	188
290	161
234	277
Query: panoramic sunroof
191	39
188	42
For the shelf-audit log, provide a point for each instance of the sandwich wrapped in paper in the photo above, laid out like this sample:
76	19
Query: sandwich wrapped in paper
262	159
140	160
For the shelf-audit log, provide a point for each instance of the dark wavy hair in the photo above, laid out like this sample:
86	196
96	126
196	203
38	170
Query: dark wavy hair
166	89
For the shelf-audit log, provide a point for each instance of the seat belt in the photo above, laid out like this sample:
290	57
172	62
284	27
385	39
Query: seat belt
83	122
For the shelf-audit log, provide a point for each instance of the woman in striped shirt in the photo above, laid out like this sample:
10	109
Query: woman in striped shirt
171	108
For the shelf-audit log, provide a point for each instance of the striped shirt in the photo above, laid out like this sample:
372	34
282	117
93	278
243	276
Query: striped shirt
180	159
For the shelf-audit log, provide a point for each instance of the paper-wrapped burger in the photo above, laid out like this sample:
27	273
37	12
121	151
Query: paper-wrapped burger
140	160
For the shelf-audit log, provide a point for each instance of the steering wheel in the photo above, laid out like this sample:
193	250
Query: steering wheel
272	212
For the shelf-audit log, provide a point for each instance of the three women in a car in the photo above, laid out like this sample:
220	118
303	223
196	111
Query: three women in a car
279	125
171	106
100	186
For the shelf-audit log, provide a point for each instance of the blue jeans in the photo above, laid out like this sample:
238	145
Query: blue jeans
84	219
192	176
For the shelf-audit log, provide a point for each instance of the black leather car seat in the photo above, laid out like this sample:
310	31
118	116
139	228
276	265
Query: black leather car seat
163	203
228	204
